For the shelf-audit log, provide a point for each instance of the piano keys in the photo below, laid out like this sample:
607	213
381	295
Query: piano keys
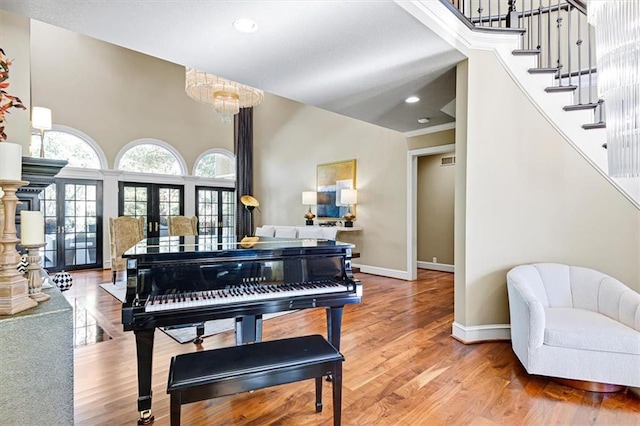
185	280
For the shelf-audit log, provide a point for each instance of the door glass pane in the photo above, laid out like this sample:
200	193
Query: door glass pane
72	233
228	216
216	213
169	205
79	245
48	206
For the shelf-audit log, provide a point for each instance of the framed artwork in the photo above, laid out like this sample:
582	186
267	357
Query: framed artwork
332	177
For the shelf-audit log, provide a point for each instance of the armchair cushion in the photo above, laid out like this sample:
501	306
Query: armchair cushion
124	233
286	232
310	232
183	225
265	231
587	330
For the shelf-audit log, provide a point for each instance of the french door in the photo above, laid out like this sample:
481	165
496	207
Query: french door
72	211
154	202
216	211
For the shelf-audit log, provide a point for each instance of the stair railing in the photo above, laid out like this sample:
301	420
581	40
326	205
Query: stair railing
556	32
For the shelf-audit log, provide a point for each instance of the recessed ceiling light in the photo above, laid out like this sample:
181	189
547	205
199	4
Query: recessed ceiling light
245	25
423	120
412	99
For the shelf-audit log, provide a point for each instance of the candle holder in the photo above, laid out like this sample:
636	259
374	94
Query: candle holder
14	290
33	272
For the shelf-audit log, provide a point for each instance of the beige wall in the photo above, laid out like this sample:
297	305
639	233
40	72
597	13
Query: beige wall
291	139
14	40
530	197
432	139
115	95
435	209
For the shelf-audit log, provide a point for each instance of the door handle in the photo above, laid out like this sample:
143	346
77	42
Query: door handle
156	226
150	226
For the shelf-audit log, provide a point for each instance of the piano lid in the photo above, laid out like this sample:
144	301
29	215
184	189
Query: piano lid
201	246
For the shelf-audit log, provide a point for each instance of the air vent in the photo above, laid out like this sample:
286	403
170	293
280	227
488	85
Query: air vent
448	161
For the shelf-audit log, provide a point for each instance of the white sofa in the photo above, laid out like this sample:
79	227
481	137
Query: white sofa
281	231
574	323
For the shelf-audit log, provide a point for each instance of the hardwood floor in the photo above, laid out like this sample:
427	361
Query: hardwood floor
402	368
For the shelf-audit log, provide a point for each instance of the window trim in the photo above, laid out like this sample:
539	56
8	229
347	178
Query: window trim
210	151
102	158
150	141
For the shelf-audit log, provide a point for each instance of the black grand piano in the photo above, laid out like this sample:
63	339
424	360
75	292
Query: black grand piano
174	281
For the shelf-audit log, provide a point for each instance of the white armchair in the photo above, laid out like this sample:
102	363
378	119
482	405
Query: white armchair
575	323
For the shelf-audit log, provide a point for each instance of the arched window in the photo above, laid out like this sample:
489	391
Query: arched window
74	146
150	156
217	164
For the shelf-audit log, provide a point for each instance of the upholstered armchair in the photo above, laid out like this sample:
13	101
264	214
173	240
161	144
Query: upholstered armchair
124	233
576	324
183	225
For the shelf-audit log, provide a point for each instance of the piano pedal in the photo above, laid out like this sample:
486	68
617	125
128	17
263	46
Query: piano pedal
329	378
199	333
146	418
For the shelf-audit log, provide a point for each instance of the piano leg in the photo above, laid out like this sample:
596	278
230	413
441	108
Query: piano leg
334	325
144	348
248	329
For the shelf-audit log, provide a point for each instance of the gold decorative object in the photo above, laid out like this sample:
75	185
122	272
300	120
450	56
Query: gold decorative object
309	198
33	272
350	198
14	290
226	96
250	203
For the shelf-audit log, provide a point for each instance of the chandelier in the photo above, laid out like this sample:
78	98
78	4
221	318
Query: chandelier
617	25
226	96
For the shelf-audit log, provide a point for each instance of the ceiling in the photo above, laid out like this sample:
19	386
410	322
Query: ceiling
358	58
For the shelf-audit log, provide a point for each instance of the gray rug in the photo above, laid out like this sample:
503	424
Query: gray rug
119	290
188	333
185	334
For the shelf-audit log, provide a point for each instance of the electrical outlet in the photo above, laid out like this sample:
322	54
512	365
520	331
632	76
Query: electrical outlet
435	260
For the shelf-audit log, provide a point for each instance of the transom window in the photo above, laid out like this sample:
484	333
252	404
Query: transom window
150	158
61	145
219	165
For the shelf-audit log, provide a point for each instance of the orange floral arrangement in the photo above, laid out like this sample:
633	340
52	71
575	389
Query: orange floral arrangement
6	100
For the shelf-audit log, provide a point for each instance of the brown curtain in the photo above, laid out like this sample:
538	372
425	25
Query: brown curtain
243	145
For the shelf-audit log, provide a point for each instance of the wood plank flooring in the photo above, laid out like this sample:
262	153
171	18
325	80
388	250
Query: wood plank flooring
402	368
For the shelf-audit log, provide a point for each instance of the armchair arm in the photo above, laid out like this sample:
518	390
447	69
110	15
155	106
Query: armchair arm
619	302
527	317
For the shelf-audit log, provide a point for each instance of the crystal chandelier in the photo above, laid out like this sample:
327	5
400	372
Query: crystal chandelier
226	96
617	25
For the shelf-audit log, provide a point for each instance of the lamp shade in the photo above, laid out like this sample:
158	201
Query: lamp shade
41	118
349	196
309	198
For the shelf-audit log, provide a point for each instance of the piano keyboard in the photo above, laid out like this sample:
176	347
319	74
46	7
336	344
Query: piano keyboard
240	293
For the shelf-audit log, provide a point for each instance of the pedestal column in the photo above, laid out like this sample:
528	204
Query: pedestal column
14	290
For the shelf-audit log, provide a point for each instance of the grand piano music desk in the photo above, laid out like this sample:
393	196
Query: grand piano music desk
186	280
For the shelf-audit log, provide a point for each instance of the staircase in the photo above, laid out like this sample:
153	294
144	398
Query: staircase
548	48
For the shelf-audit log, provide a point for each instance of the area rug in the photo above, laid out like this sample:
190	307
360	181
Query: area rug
119	290
184	334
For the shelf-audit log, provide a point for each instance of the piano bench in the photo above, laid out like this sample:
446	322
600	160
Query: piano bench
213	373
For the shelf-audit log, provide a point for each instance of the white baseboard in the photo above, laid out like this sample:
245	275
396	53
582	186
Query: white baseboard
436	266
480	333
385	272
